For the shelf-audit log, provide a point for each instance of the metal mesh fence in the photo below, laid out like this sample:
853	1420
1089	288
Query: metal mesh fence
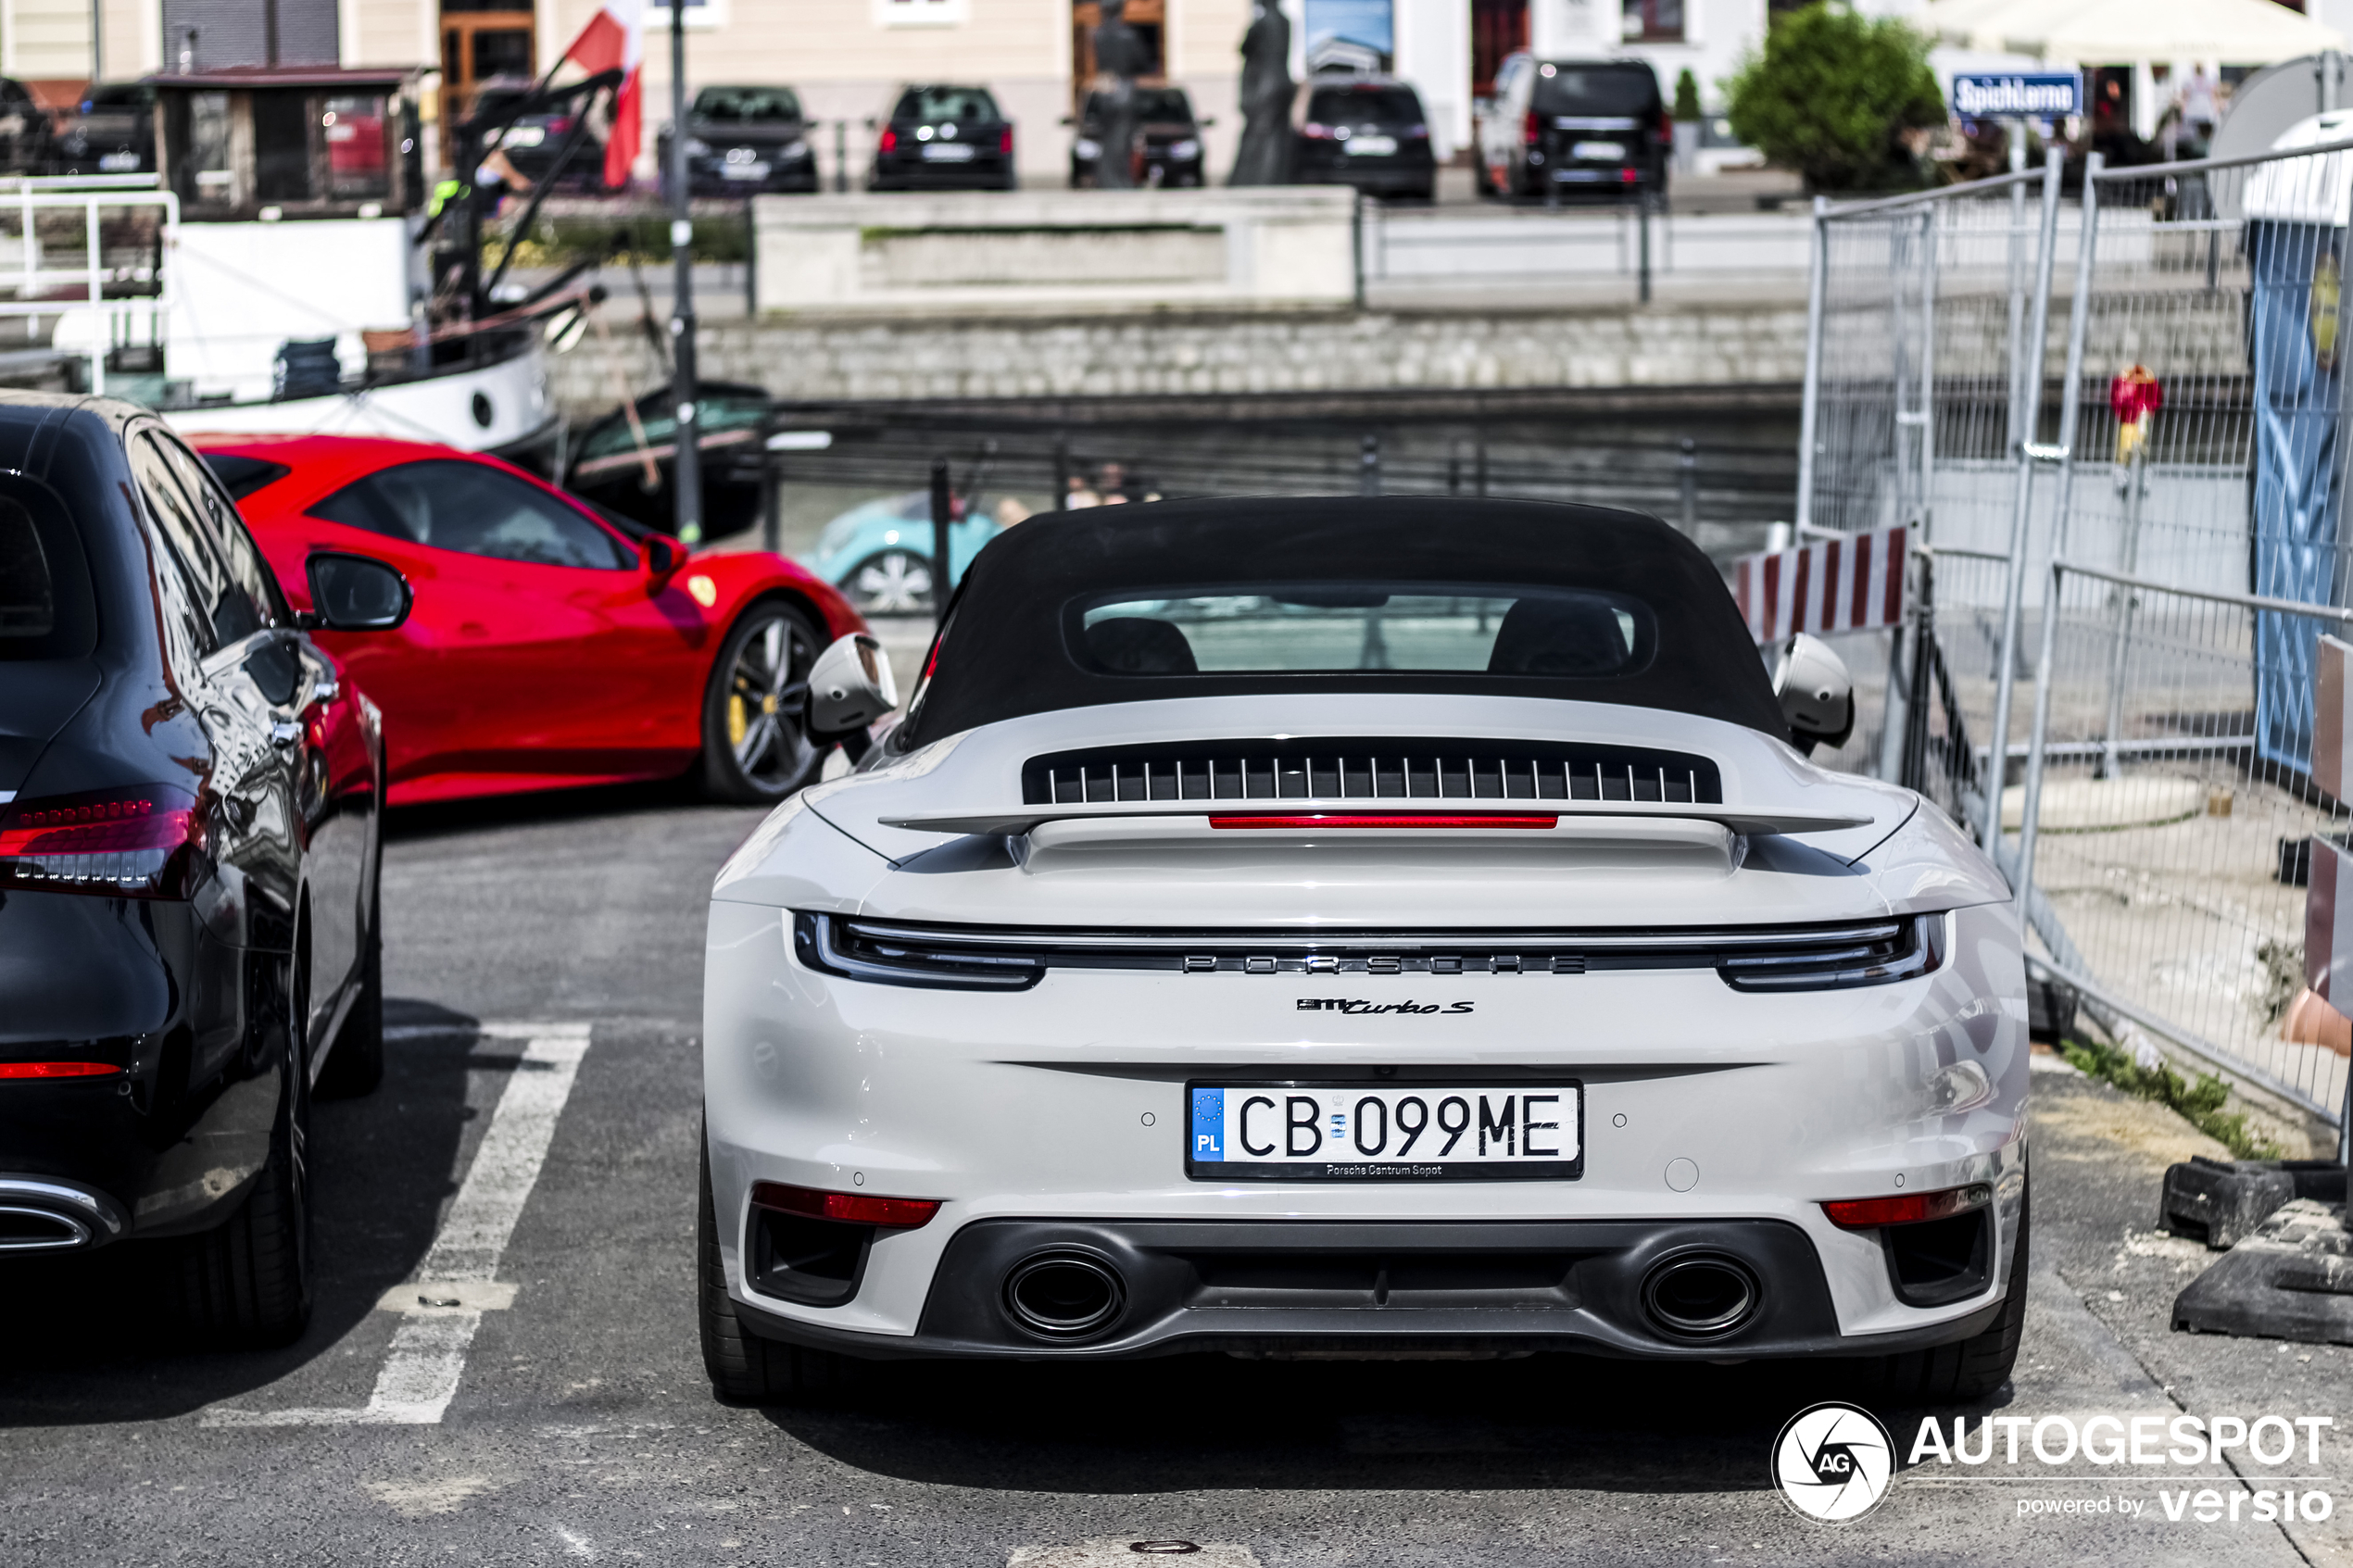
2187	470
2172	855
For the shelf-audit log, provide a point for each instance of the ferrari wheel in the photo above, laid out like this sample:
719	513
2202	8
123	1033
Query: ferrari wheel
755	726
891	582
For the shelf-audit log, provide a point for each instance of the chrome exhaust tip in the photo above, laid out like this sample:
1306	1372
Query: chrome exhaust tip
40	1230
1063	1295
1701	1294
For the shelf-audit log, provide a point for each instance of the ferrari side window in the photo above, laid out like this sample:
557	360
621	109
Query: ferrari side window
475	509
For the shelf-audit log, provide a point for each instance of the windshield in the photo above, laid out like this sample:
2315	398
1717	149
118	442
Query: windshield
929	105
1307	595
1348	106
748	105
1265	628
1596	90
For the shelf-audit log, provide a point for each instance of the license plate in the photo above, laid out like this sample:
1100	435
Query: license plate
1384	1132
118	163
948	152
1598	152
743	171
1371	147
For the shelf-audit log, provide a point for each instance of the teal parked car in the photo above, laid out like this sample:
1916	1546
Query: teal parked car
879	554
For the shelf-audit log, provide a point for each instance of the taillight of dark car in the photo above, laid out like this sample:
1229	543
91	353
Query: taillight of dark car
1665	127
1316	132
1005	140
889	139
1535	130
144	842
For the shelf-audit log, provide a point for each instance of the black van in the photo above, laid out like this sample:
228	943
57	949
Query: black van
1581	128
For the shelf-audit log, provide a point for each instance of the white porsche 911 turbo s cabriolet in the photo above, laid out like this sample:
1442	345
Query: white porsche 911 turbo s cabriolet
1358	927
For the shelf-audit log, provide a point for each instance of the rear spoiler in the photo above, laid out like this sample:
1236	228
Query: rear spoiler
1015	820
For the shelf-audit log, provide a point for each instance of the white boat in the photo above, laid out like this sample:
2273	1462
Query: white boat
283	272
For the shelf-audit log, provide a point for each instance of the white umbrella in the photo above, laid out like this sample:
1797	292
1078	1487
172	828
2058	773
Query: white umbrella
1975	24
2236	33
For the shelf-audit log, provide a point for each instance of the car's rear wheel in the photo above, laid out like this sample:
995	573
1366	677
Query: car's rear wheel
889	582
1972	1368
755	725
247	1280
744	1368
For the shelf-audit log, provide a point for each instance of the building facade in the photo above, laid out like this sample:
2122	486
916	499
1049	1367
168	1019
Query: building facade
847	56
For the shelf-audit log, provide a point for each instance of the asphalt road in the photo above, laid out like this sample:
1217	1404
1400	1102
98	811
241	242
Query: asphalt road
575	1424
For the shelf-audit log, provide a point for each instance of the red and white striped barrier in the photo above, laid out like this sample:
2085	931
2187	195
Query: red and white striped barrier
1856	583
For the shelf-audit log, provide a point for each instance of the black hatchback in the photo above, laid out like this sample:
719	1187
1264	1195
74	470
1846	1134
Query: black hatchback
1366	131
743	140
944	139
188	866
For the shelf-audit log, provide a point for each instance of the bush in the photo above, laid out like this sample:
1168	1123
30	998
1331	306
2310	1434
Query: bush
2200	1103
1831	96
1686	95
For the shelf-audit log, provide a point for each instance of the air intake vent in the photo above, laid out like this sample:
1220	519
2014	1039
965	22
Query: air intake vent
1370	768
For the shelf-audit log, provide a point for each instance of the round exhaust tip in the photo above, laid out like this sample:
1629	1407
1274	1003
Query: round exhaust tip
1701	1296
1063	1295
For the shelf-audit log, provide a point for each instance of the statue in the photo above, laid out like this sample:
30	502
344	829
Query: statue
1120	58
1264	157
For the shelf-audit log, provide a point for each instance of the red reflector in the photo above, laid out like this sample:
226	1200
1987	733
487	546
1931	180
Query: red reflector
851	1208
1362	820
57	1069
1627	175
1906	1209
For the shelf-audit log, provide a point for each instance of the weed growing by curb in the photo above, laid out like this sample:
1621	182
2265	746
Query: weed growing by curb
2200	1103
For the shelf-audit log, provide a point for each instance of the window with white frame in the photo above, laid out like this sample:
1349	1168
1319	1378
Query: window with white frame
922	13
702	16
1654	21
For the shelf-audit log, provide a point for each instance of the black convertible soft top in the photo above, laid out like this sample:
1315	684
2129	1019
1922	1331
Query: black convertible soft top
1008	650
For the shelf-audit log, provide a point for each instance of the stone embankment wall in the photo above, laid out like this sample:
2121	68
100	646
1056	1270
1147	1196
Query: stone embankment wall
1175	355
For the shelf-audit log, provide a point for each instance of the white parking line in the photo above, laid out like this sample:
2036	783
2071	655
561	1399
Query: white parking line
454	1286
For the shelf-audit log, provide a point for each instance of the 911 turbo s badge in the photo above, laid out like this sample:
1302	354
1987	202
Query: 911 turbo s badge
1339	1004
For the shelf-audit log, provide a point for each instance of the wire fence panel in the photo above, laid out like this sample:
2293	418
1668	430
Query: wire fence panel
2173	855
2188	467
1920	399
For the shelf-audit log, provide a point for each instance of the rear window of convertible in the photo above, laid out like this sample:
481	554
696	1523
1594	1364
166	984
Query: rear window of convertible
1269	628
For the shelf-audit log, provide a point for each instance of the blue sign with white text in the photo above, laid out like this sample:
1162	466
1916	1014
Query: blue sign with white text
1209	1123
2031	95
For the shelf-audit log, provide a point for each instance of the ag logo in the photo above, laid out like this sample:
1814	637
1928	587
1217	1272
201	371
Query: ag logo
1831	1462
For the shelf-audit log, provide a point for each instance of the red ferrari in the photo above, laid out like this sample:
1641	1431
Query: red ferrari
549	647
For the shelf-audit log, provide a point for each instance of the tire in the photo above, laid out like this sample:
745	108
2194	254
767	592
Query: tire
889	582
744	1368
356	1065
1972	1368
247	1281
756	748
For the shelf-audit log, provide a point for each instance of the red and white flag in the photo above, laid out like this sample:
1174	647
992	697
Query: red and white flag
615	40
1855	583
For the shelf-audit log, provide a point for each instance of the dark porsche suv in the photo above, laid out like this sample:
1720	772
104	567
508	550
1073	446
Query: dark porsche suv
188	866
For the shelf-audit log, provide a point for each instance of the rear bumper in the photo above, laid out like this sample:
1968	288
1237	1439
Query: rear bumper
50	1214
1289	1287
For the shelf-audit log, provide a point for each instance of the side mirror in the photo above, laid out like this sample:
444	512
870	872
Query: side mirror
354	594
1817	693
1206	121
663	555
850	685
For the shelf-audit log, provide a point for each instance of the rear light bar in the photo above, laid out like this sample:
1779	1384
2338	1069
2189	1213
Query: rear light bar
849	1207
1906	1209
1391	820
1868	955
57	1070
141	842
